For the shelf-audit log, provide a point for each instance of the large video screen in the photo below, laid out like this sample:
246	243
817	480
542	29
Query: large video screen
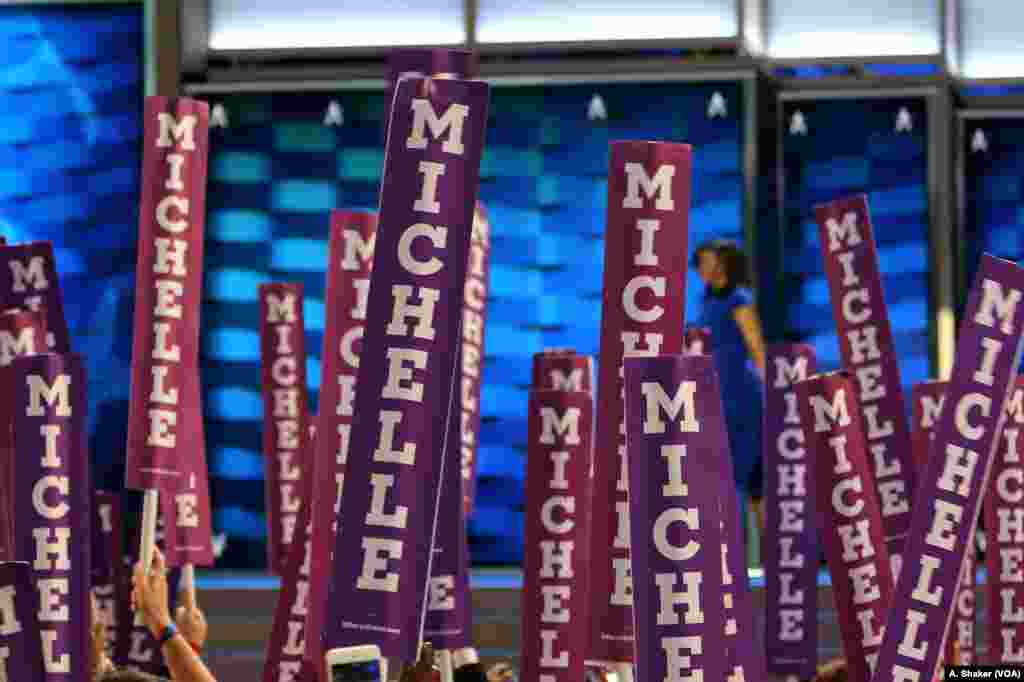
71	98
834	148
278	168
993	157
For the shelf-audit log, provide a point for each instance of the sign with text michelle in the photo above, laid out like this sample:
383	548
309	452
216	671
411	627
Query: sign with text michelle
1004	521
350	263
927	398
29	280
849	515
287	456
449	616
425	63
107	525
189	519
52	504
674	425
22	333
643	309
791	540
563	370
957	473
471	358
21	653
868	351
554	598
286	647
406	368
162	421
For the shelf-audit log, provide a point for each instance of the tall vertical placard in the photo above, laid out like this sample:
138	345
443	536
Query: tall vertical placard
643	308
1004	521
405	391
350	262
957	473
791	547
52	504
869	352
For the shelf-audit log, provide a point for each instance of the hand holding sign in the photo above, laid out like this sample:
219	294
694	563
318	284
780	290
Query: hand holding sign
150	594
191	620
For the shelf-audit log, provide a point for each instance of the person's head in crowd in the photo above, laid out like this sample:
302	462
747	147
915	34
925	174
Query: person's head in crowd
722	265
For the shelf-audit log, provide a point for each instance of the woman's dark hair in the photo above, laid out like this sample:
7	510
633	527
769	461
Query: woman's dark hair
732	258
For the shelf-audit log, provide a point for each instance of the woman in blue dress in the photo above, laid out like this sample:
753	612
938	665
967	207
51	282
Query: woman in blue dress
737	346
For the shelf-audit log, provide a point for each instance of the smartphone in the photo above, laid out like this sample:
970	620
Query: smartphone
356	664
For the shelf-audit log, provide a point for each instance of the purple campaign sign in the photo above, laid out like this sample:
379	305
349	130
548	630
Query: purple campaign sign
52	510
106	557
675	430
563	370
1004	520
791	541
927	398
848	515
957	474
425	63
28	279
405	388
554	597
21	652
866	344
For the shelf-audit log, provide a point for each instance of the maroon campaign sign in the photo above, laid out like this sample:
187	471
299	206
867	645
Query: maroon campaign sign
957	474
21	652
22	333
849	515
52	511
285	413
286	648
168	288
563	370
189	521
1004	521
350	256
791	539
554	598
868	351
642	314
106	556
471	359
406	369
28	280
697	340
927	398
674	422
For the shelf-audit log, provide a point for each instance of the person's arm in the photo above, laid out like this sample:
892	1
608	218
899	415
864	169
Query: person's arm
150	596
750	326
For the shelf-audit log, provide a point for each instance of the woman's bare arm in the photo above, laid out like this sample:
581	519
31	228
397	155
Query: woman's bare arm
750	326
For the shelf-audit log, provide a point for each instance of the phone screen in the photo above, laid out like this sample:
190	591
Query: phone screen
363	671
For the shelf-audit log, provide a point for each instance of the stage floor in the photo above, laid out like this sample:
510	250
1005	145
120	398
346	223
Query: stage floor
240	608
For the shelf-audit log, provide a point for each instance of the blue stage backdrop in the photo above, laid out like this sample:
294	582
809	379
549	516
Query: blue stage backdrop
993	155
71	95
277	170
833	148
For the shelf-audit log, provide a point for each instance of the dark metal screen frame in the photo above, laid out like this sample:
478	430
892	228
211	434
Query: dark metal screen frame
939	111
